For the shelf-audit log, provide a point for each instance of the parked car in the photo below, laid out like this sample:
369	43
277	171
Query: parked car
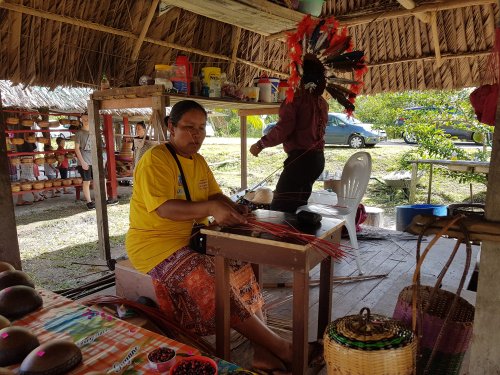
344	130
451	120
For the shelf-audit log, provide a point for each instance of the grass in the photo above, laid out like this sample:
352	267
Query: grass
54	239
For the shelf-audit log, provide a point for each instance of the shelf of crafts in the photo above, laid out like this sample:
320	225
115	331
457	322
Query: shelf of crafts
65	151
39	130
44	189
40	113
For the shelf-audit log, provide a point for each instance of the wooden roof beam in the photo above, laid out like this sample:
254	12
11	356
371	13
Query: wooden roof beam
410	4
234	49
435	38
145	27
127	34
382	15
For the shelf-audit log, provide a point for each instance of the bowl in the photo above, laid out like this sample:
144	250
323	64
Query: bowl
162	359
195	364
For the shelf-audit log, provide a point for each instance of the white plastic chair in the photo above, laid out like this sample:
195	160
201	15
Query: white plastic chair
353	184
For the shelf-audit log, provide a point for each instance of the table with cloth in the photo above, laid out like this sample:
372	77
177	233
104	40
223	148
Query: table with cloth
108	344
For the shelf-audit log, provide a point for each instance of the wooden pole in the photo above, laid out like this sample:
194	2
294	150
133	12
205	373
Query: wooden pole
145	27
110	152
485	340
410	4
244	159
9	246
234	46
435	38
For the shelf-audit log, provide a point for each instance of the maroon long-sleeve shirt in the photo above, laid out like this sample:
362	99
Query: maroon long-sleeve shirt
301	124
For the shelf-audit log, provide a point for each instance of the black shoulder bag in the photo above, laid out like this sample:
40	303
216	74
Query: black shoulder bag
197	241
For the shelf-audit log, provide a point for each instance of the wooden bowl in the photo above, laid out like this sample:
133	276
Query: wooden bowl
17	141
27	123
38	185
26	186
12	121
43	124
15	161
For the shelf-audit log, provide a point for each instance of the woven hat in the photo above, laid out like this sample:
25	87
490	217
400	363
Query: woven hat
260	196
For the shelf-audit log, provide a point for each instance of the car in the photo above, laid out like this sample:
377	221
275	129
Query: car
444	115
342	129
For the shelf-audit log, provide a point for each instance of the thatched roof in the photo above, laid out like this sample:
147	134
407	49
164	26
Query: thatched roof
436	45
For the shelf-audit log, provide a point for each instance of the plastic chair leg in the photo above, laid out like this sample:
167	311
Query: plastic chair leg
350	225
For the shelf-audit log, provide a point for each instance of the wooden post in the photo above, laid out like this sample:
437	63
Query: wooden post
244	159
126	126
485	340
9	246
99	181
110	152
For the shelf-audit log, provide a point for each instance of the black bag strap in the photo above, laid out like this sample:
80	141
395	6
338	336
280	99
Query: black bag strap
184	183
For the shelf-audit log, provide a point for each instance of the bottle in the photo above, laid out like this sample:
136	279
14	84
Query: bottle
104	82
454	156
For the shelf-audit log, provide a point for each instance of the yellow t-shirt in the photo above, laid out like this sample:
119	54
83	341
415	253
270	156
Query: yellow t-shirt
151	238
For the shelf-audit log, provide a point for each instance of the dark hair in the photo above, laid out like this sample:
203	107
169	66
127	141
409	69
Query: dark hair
314	72
141	123
59	139
180	108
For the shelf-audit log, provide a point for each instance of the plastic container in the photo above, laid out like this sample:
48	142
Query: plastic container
282	88
210	78
183	60
406	213
312	7
251	93
265	93
162	76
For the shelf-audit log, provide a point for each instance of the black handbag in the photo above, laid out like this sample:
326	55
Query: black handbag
197	241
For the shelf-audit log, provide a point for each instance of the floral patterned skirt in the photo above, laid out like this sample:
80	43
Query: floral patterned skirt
184	284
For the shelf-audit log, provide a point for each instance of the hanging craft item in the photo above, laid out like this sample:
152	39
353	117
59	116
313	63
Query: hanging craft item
320	44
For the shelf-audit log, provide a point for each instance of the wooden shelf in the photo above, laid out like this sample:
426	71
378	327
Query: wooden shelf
40	130
44	189
11	154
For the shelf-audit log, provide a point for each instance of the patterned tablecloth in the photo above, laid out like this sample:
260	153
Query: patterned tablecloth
108	344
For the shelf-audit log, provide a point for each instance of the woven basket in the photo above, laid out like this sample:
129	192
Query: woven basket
43	124
15	188
43	140
17	141
56	183
27	123
77	180
25	186
443	320
38	185
12	121
369	344
47	184
67	182
31	139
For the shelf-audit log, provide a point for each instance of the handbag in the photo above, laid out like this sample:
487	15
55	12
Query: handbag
155	134
441	320
197	241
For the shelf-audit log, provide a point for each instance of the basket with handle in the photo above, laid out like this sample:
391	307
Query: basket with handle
369	344
441	319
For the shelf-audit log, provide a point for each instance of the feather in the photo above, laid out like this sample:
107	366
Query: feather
340	97
344	90
321	40
346	62
315	36
342	44
345	81
353	56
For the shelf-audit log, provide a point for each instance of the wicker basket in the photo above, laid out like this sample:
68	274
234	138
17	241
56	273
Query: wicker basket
17	141
67	182
77	180
369	344
25	186
15	187
31	139
56	183
38	185
43	140
43	124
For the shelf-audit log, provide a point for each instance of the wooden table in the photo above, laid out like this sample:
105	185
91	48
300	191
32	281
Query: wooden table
266	249
457	165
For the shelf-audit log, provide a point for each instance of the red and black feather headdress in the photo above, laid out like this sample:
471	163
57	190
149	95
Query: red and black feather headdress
330	48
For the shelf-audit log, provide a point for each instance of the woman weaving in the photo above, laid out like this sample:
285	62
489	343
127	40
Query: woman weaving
162	213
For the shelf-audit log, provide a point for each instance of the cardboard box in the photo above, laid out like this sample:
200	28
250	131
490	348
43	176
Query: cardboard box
333	185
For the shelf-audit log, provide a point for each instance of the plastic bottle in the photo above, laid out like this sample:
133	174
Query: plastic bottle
454	156
104	82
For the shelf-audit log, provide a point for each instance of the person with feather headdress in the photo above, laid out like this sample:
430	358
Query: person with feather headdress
318	52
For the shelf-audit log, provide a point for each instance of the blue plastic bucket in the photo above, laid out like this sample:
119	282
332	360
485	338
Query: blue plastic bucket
406	213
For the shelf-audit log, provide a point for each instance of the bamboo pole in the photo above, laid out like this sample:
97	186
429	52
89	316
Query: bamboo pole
234	47
443	57
410	4
145	27
435	38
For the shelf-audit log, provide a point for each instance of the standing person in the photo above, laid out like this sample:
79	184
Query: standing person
301	129
63	165
140	130
157	243
83	151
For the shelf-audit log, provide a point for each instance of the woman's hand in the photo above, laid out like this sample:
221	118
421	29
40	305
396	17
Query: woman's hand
226	215
85	166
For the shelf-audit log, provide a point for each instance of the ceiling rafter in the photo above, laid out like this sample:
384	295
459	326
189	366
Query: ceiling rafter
145	27
410	4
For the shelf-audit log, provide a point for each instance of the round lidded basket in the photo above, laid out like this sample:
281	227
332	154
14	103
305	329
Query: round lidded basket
17	141
38	185
67	182
47	184
25	186
57	182
43	124
15	187
28	123
77	180
369	344
12	121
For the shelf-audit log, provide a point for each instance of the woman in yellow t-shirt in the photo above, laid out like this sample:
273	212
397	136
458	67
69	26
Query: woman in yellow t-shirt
161	219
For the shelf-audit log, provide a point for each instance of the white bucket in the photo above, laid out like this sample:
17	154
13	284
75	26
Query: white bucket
265	92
